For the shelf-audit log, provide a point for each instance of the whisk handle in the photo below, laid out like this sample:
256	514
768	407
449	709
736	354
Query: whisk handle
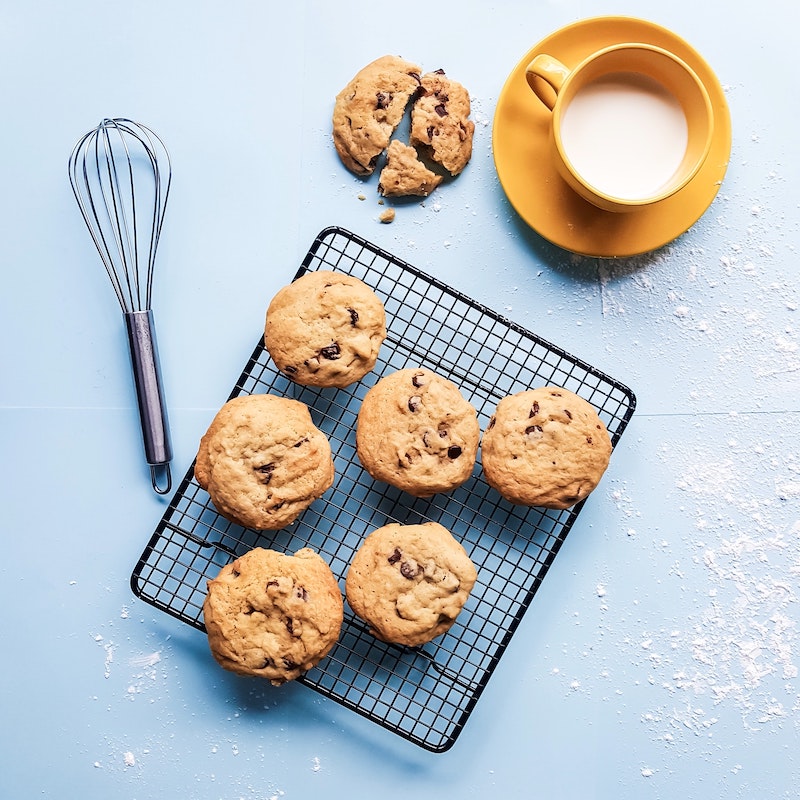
149	393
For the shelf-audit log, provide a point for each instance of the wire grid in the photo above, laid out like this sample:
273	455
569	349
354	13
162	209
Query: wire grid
424	694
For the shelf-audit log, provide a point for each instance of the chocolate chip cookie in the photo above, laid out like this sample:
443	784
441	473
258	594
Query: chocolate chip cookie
404	174
263	461
409	582
545	447
369	109
273	615
325	329
417	432
440	123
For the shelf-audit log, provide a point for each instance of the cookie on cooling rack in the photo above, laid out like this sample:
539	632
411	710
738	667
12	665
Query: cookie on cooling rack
417	432
409	582
545	447
273	615
325	329
263	461
440	123
369	108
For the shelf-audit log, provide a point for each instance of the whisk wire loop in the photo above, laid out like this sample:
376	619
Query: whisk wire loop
121	173
126	243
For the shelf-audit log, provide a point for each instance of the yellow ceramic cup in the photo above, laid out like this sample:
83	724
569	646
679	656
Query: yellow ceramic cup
631	124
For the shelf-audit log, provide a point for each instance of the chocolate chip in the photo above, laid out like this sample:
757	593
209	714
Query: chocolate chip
534	409
290	625
289	664
382	100
589	440
418	379
271	583
353	316
440	110
300	593
425	439
533	428
409	570
290	369
431	131
491	424
266	470
454	451
297	444
395	556
567	412
439	71
416	77
331	352
414	402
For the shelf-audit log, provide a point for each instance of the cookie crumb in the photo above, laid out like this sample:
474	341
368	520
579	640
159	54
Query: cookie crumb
362	197
387	216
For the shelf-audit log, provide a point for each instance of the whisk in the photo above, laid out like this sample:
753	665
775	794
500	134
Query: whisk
121	173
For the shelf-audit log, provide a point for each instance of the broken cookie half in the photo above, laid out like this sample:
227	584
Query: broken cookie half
369	109
440	122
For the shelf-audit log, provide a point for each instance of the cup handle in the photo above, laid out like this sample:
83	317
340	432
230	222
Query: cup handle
545	76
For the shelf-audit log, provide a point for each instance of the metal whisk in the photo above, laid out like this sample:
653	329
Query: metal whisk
121	173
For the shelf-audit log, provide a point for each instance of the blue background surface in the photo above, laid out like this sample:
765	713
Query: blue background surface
660	656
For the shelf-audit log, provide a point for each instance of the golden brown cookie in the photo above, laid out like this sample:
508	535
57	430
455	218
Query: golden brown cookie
409	582
417	432
263	461
440	123
404	174
273	615
369	109
325	329
545	447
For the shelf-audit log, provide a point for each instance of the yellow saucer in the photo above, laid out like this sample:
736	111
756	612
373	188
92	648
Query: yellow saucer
539	194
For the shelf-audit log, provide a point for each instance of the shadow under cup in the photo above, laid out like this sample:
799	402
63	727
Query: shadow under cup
626	115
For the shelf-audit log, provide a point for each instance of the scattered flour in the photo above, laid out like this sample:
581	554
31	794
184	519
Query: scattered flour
146	660
739	650
108	648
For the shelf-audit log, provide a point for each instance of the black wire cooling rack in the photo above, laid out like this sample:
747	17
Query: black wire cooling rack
424	694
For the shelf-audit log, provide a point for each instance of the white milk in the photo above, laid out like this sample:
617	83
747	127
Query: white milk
625	134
